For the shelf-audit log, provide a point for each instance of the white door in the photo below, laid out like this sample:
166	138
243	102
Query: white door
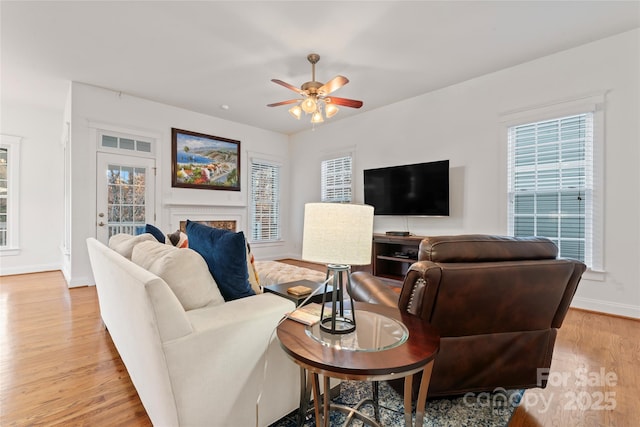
125	194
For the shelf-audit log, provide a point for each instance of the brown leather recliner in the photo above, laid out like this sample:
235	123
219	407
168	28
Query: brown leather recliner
496	301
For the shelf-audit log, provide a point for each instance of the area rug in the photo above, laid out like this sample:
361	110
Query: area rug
480	409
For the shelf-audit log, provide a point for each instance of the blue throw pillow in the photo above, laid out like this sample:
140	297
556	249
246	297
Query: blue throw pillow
226	255
155	232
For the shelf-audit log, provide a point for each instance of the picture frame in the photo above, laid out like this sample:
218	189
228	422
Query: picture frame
204	161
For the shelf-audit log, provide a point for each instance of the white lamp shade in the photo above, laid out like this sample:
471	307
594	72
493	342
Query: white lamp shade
337	233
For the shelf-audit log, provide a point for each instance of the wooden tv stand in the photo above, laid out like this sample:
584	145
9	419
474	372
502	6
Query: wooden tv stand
392	255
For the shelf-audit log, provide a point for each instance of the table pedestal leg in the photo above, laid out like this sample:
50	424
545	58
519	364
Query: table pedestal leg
376	404
305	396
326	400
422	394
408	385
316	396
327	406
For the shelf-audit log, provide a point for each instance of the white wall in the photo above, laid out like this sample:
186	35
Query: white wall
41	190
462	123
459	123
92	106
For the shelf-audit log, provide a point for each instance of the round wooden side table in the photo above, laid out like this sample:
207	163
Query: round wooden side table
386	344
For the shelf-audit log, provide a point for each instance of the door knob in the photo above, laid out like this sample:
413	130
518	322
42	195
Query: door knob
101	224
101	215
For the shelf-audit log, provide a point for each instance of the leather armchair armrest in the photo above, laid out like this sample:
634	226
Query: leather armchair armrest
419	289
368	288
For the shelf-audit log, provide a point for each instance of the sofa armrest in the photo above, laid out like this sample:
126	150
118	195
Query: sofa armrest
256	308
368	288
218	370
578	269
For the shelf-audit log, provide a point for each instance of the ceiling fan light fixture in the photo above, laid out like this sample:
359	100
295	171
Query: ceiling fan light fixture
330	110
309	105
317	117
315	96
296	111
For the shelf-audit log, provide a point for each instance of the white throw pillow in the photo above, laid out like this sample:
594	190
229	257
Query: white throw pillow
124	243
184	270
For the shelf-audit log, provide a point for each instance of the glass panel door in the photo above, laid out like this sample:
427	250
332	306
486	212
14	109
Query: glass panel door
125	195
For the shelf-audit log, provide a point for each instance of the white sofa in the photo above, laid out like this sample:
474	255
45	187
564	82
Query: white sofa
198	367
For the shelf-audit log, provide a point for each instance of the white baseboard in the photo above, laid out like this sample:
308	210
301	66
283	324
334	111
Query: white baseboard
73	283
626	310
80	281
29	269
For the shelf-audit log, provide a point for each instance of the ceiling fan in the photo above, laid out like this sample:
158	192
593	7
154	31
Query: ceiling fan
316	97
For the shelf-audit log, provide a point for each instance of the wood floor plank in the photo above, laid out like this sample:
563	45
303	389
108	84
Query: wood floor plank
590	347
58	365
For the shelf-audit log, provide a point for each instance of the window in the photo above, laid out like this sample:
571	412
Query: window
551	182
115	142
9	175
4	193
265	201
127	202
336	182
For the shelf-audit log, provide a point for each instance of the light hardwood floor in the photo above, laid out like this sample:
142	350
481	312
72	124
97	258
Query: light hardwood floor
58	365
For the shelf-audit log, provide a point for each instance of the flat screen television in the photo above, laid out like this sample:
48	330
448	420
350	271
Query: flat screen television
420	189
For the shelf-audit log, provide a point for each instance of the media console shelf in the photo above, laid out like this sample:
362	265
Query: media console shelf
392	255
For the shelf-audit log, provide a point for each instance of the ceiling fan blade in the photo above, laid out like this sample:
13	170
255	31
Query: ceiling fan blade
290	101
353	103
335	83
288	86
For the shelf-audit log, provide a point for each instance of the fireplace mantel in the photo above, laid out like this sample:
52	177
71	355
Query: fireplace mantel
174	204
205	213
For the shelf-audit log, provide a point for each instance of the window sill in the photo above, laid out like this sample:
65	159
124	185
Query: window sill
595	275
260	244
9	251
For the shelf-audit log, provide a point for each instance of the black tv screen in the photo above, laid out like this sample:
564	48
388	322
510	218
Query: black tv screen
420	189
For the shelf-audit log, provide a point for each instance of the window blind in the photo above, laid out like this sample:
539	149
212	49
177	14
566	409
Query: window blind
4	193
336	182
9	195
265	201
550	172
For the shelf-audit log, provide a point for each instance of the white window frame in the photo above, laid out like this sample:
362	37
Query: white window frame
594	104
326	186
12	144
261	160
122	134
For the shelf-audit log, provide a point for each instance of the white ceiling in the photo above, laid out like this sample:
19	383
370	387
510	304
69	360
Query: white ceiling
203	54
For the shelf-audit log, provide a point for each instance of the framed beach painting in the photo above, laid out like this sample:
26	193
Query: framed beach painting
204	161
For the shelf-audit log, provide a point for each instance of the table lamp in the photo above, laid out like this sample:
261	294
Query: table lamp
339	235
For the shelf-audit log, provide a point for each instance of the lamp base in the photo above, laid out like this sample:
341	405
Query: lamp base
342	325
339	321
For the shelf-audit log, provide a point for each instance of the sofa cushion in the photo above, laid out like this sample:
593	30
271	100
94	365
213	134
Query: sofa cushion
184	270
226	255
124	243
155	232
